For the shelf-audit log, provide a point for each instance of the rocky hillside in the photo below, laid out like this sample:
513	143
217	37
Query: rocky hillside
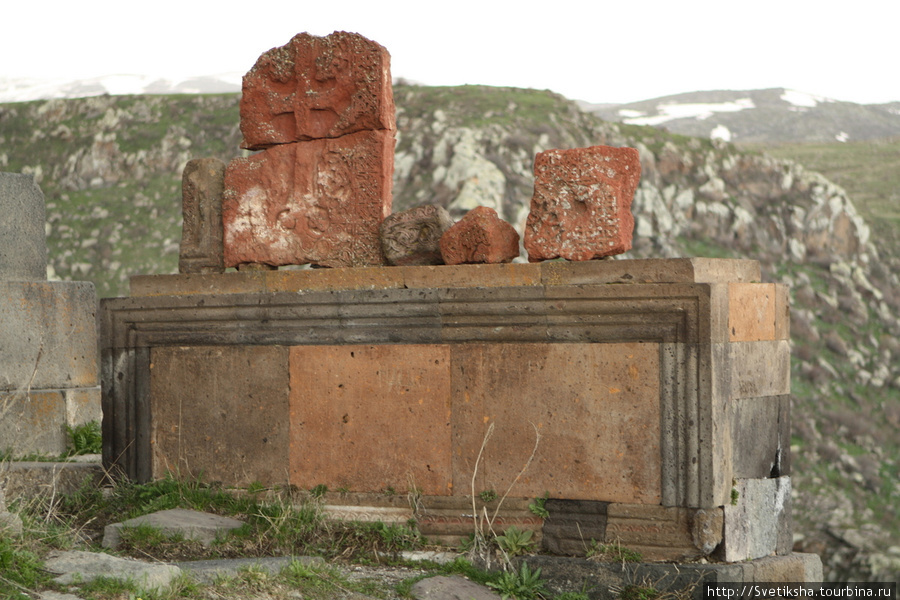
110	169
772	116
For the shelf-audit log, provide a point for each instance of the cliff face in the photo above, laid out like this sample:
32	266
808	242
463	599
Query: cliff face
110	169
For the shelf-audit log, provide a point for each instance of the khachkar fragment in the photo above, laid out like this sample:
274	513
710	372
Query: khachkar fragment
480	237
202	188
318	202
581	208
412	237
316	87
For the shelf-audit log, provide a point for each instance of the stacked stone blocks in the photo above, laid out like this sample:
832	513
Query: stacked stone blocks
48	333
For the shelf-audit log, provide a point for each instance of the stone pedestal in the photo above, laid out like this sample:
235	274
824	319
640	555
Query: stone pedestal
633	374
48	334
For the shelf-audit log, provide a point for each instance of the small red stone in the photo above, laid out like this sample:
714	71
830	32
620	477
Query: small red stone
581	208
480	237
320	202
316	87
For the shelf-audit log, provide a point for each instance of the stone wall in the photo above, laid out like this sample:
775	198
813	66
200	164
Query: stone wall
48	334
642	379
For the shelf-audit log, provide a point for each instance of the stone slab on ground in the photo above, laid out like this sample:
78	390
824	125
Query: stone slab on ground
451	588
192	524
81	567
23	243
208	571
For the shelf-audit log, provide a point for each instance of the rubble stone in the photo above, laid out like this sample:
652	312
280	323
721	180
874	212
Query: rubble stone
317	87
412	237
319	202
581	208
480	237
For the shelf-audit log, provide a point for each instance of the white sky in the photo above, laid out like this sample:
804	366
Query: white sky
601	51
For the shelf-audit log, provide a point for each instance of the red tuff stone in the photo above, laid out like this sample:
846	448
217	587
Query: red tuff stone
581	208
480	237
317	87
318	202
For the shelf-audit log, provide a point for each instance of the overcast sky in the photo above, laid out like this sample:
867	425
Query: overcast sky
595	50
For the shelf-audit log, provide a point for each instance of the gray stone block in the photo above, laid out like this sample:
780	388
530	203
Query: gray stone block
761	434
572	525
23	244
35	422
760	368
48	335
758	524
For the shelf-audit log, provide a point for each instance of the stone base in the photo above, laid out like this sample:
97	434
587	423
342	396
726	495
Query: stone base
35	422
606	581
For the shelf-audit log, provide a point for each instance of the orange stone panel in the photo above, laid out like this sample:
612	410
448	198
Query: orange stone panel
595	407
370	418
751	312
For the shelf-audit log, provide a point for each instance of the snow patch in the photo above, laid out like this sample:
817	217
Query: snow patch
720	132
802	99
628	113
669	112
843	136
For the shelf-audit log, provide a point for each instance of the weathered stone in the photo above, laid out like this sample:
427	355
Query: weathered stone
761	437
209	571
758	524
599	438
760	368
581	208
550	273
480	237
190	524
319	202
345	400
412	237
452	587
30	480
23	243
34	422
317	87
82	567
572	524
667	533
199	395
48	335
751	312
202	188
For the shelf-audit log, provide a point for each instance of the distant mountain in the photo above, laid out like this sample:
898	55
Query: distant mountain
26	90
770	116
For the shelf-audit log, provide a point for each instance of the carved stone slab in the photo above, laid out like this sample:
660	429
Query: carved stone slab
317	87
318	202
